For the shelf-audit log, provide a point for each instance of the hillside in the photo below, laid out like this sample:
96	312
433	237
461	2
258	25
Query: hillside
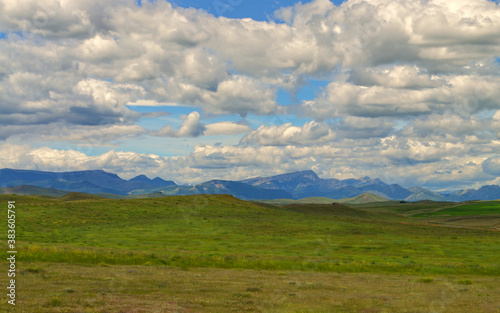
364	198
32	190
419	193
339	210
78	196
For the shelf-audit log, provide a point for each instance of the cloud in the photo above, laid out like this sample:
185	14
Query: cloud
226	128
177	55
317	133
420	167
82	134
403	92
413	86
191	127
286	134
491	166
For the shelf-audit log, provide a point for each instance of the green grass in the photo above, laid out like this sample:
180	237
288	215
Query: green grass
224	232
363	198
215	253
65	287
472	208
310	200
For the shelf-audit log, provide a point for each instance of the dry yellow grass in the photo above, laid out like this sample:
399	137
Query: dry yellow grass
52	287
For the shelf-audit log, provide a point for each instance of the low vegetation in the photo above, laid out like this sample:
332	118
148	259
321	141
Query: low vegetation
318	256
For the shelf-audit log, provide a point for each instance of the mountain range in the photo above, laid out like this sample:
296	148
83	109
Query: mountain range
93	182
296	185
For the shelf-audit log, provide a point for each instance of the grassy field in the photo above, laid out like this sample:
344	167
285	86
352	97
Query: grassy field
343	258
471	208
63	287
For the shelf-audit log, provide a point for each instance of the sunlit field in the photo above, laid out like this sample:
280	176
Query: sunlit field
219	254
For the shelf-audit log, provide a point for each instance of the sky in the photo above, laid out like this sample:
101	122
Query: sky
404	91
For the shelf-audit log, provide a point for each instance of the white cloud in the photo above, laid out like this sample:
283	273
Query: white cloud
226	128
492	166
402	92
286	134
191	127
420	74
419	166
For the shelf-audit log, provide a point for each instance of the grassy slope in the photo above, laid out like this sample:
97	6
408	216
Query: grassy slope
484	214
52	287
471	208
222	231
103	255
363	198
32	190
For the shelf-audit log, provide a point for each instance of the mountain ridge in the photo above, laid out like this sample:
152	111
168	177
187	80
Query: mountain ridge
295	185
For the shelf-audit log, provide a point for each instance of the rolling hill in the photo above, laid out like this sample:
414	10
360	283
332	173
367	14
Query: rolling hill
364	198
32	190
419	193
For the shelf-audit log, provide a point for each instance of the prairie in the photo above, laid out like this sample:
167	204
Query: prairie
216	253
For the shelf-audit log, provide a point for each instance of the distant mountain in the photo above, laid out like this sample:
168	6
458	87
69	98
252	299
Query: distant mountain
364	198
236	189
393	191
289	182
307	184
489	192
363	181
92	182
419	194
147	183
304	184
297	185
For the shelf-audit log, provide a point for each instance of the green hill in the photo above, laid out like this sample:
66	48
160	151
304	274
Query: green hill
364	198
419	193
310	200
340	210
32	190
223	231
76	196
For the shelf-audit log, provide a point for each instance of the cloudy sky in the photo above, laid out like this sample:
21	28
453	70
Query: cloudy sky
407	91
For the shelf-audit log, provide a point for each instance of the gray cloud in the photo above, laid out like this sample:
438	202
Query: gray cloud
413	92
191	127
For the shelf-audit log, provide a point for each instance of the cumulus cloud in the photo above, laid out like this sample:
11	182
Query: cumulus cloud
491	166
191	127
226	128
413	87
403	92
287	134
239	162
316	133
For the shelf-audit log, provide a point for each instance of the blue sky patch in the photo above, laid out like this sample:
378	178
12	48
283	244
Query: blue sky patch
259	10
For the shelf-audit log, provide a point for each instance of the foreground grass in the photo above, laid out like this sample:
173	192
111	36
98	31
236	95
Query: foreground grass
53	287
219	254
224	232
